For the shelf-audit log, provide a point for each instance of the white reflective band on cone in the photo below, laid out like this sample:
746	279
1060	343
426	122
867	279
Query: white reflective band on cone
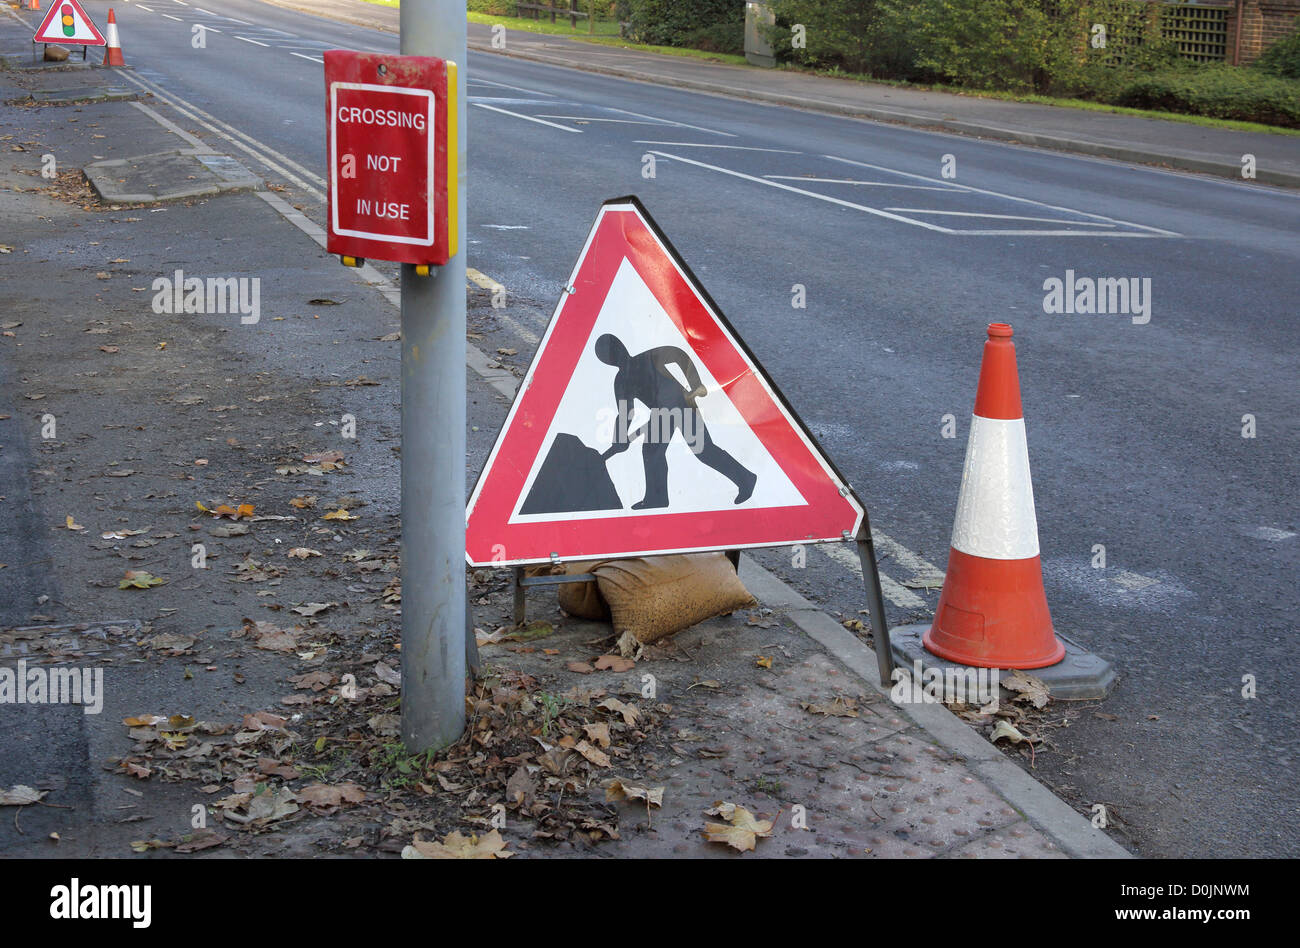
995	509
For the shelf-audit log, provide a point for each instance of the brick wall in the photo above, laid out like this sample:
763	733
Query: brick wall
1263	23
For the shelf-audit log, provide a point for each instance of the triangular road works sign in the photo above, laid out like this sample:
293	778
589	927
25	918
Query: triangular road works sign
645	426
68	23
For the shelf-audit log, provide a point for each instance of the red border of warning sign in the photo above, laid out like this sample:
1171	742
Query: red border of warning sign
55	10
623	229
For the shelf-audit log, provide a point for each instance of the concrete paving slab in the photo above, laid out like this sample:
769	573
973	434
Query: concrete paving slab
77	95
169	176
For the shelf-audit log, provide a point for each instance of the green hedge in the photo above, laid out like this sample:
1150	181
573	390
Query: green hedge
1283	57
1215	90
1036	46
713	25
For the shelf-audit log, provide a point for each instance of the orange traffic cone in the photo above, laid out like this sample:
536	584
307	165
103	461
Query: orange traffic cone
113	52
992	612
33	4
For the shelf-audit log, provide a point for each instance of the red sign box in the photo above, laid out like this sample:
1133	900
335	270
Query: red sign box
392	156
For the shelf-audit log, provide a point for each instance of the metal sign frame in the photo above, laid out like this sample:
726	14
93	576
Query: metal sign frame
861	537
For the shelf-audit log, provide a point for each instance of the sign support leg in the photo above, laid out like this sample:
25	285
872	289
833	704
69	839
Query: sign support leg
471	643
521	605
433	446
875	602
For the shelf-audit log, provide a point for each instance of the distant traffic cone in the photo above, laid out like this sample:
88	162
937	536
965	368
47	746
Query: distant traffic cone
992	612
33	4
113	53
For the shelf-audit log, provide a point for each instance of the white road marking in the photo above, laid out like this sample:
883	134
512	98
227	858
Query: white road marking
492	286
502	85
210	29
310	58
873	184
812	194
208	12
1132	581
1272	534
697	128
1010	197
588	118
253	41
529	118
170	17
779	151
1004	217
847	556
922	570
171	126
145	9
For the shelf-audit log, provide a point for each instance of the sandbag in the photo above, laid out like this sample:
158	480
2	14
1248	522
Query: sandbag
583	599
657	596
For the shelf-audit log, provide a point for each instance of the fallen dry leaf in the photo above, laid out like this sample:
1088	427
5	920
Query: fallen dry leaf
139	579
841	707
20	795
615	663
618	790
456	846
741	831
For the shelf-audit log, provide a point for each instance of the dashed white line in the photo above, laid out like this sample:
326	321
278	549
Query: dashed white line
253	41
170	17
812	194
697	128
528	118
489	82
311	58
872	184
1004	217
779	151
588	118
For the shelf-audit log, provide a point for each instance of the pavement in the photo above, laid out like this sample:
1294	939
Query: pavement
1128	138
156	411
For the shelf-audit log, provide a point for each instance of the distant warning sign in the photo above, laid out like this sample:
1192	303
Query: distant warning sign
392	156
644	425
67	23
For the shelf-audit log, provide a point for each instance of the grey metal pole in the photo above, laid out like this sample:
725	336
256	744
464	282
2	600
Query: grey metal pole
433	443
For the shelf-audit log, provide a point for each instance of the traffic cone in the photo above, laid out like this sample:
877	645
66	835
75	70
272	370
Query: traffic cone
992	612
113	52
33	4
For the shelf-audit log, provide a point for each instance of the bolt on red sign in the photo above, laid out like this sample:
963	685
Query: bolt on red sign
392	156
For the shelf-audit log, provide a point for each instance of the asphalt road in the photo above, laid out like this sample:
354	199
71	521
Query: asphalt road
1135	428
